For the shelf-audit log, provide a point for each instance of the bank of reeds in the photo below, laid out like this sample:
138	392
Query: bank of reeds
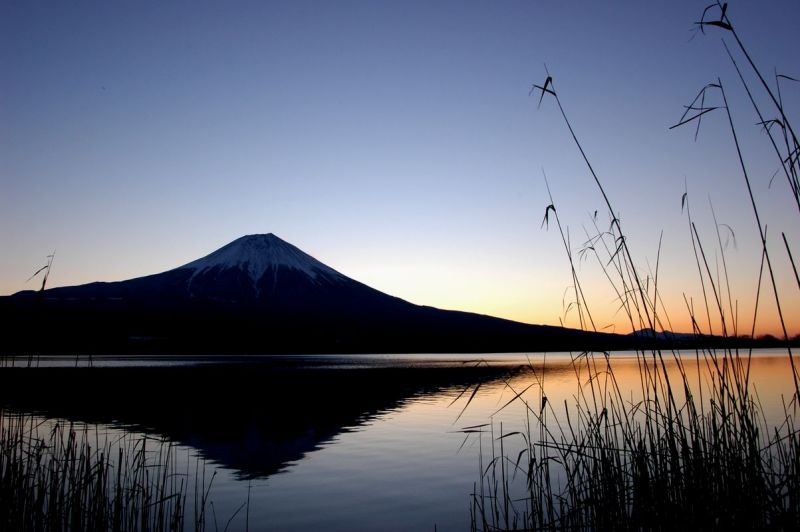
683	455
686	452
58	477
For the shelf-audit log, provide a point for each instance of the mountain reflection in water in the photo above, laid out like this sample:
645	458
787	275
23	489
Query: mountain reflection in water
251	417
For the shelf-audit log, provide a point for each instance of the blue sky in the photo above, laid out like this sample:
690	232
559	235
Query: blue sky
394	141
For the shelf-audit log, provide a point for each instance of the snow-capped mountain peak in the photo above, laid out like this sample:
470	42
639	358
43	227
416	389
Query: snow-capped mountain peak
260	254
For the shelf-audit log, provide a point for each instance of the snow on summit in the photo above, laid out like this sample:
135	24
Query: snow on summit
258	254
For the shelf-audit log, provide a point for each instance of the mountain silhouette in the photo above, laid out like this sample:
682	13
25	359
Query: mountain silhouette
261	294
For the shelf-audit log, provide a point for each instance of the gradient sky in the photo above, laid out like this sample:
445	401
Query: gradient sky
394	141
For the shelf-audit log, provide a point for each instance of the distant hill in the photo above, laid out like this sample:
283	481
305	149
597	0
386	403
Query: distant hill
261	294
663	335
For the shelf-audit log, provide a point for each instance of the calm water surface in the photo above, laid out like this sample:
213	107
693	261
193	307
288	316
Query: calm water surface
360	442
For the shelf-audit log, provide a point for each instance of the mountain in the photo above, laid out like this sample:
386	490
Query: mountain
260	294
254	270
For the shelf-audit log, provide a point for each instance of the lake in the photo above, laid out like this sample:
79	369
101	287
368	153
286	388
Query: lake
340	442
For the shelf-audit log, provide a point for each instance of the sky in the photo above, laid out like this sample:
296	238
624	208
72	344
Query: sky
394	141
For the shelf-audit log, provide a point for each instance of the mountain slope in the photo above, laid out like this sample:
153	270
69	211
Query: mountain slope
260	293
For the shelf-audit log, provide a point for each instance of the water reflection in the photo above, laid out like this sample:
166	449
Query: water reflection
255	415
623	375
384	429
253	418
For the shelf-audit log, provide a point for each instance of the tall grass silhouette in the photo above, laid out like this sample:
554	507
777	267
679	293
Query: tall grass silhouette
684	454
55	475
